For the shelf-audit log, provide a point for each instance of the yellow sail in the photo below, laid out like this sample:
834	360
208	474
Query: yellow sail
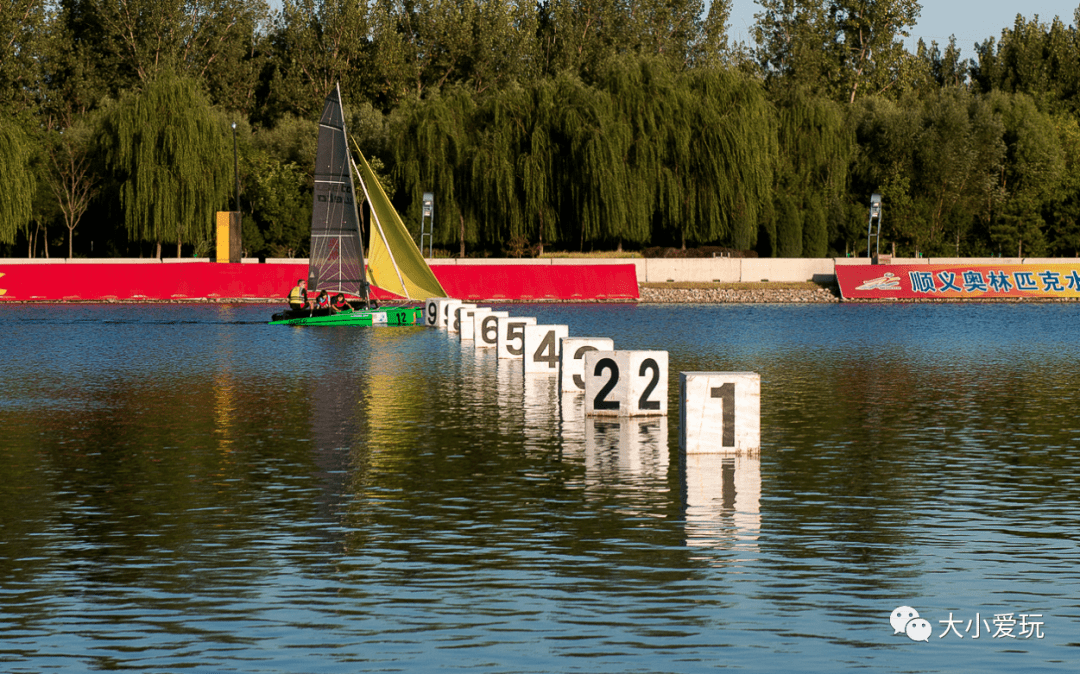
394	262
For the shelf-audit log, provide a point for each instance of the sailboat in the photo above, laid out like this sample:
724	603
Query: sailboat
336	262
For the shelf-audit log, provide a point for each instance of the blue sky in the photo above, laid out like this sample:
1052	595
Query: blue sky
970	20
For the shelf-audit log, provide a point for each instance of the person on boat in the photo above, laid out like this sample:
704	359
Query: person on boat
298	296
322	301
339	304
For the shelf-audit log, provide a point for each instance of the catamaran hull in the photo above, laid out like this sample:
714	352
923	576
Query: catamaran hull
366	317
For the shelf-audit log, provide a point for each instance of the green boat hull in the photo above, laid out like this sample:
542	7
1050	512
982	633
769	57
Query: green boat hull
375	317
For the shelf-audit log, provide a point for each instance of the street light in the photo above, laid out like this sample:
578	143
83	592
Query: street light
427	221
236	167
875	213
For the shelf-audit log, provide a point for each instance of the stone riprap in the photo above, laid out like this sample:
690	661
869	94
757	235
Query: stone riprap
744	293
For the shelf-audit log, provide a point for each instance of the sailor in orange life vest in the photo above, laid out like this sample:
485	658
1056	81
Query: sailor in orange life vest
298	296
322	301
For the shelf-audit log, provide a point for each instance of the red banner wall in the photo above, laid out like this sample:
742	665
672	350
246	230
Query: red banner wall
938	281
202	280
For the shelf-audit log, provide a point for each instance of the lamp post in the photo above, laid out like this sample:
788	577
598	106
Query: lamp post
236	167
875	213
427	222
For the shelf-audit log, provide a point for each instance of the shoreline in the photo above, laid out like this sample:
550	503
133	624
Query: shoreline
738	293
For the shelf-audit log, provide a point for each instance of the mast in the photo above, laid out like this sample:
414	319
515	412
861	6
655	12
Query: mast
336	263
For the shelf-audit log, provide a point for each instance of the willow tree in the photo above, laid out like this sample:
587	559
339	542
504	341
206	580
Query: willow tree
816	146
493	181
649	100
727	154
594	176
170	153
512	182
17	177
430	142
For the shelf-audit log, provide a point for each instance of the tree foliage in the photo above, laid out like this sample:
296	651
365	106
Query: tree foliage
17	176
170	154
566	123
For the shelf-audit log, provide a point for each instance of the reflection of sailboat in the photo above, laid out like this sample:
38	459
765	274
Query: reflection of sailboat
723	499
336	262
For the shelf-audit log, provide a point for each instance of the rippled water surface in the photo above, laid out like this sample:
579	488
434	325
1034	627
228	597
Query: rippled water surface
188	488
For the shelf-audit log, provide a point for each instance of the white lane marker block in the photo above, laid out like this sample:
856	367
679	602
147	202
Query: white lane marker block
469	321
626	383
511	336
542	348
435	311
719	412
572	359
487	330
446	316
453	319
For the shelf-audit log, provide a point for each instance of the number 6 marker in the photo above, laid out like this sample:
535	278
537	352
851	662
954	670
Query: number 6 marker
720	412
487	330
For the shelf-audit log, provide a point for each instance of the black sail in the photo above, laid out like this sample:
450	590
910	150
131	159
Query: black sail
336	263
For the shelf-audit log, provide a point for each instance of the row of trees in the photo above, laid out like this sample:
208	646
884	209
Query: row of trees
572	124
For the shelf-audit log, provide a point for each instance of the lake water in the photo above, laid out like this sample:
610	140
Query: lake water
187	488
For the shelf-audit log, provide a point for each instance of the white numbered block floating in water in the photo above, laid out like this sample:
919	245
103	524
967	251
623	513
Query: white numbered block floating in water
542	348
511	336
469	320
441	307
448	309
720	412
453	319
487	329
626	383
433	310
572	360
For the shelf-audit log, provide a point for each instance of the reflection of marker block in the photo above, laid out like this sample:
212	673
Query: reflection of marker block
626	383
453	319
722	490
542	348
720	412
540	404
435	311
469	321
486	334
511	336
572	405
620	447
572	360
